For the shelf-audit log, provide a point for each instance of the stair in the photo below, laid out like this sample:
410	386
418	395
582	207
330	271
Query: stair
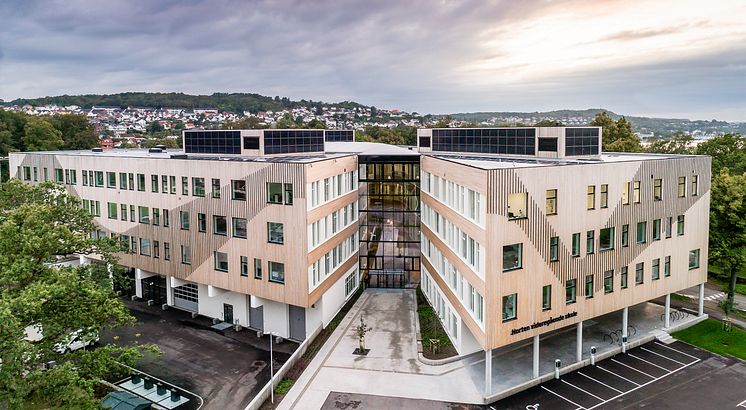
663	337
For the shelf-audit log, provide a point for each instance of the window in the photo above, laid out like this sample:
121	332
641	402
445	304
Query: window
512	256
510	303
669	226
244	266
656	229
274	192
604	196
518	205
591	197
694	259
144	213
166	218
198	186
184	186
122	180
166	251
682	187
576	244
164	184
608	281
112	210
625	235
588	286
26	173
172	184
186	255
215	188
636	192
36	175
625	194
238	190
99	178
546	297
111	179
680	225
623	278
554	248
133	218
184	218
695	191
606	239
219	225
123	209
85	176
144	247
642	231
221	261
257	268
590	240
551	202
352	282
141	182
239	227
276	272
639	273
289	192
657	189
275	233
570	291
656	272
667	266
154	183
201	222
156	216
131	180
156	249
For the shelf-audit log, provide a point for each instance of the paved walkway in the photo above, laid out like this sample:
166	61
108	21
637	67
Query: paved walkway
392	369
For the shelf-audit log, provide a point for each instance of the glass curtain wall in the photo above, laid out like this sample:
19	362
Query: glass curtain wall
390	221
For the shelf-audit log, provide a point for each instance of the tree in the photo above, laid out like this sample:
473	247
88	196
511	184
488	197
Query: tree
315	123
727	151
677	143
37	225
287	121
549	123
154	127
618	135
40	135
443	122
76	130
728	226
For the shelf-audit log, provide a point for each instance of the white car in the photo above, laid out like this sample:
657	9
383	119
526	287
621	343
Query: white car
74	341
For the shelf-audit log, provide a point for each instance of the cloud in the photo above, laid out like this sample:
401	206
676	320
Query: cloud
416	55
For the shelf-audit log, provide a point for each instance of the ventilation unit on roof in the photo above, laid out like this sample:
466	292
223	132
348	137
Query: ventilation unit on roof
179	156
97	149
161	147
156	150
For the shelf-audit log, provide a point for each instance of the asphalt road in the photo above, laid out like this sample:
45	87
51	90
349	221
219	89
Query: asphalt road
226	372
714	293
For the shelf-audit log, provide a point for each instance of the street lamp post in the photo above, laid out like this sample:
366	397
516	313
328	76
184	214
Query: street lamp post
271	370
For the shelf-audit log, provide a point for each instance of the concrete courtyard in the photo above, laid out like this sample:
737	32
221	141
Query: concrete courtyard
392	367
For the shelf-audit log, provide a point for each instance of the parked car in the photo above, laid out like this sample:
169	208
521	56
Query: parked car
74	341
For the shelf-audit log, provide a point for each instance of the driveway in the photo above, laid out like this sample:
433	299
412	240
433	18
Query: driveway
714	293
226	369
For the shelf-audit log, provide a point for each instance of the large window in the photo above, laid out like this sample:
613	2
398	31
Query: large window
642	232
588	286
512	256
694	259
591	197
510	307
518	205
639	273
608	281
219	225
590	241
657	189
606	239
198	186
184	218
576	244
186	255
554	248
274	192
144	247
112	210
275	233
238	190
144	212
221	261
276	272
571	291
546	297
551	202
239	227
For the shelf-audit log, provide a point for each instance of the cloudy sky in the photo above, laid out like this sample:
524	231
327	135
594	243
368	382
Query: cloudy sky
644	57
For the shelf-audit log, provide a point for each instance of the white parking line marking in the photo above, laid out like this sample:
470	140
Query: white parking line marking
741	404
621	377
599	382
563	398
586	392
644	384
663	356
677	351
638	371
651	363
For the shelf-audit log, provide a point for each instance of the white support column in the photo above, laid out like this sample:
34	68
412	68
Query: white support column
579	343
536	356
169	291
625	315
667	320
488	372
701	310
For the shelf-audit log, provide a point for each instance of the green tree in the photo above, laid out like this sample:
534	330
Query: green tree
443	122
618	135
76	130
677	143
727	151
38	225
728	226
549	123
314	123
287	121
244	123
40	135
154	127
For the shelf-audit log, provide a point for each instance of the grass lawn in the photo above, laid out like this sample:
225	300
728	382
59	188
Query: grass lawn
709	335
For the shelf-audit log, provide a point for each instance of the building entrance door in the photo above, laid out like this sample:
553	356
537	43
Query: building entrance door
297	317
256	318
154	288
227	313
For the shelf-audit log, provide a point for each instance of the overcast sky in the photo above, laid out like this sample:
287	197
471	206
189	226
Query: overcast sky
639	57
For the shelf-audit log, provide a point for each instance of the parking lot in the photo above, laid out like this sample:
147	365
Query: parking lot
652	375
226	369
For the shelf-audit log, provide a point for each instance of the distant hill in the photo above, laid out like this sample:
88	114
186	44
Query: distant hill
231	102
